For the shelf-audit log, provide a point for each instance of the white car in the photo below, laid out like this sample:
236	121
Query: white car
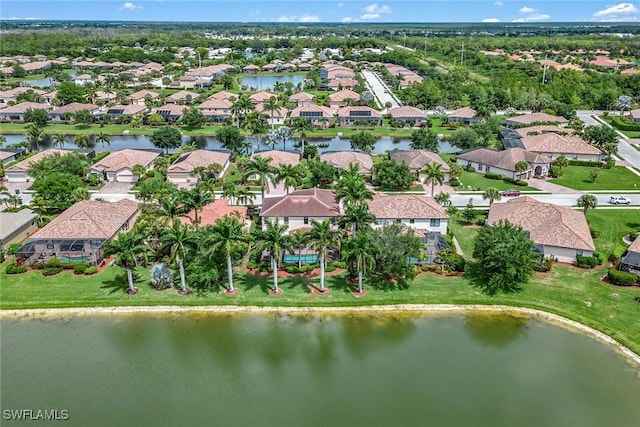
619	200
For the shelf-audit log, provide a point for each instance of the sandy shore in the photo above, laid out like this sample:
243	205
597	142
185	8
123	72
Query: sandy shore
417	308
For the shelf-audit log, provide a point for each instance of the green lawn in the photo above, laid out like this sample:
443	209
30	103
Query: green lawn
616	178
611	225
464	234
567	291
628	133
479	182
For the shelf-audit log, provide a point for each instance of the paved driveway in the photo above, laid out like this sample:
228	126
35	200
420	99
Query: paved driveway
379	89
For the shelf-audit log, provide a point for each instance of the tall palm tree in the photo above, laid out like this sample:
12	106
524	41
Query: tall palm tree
127	249
289	175
301	125
178	239
196	198
271	105
138	170
262	168
81	140
356	216
59	140
433	175
444	199
103	138
227	234
298	240
171	207
586	202
352	189
161	164
241	107
35	135
273	240
491	194
323	237
357	253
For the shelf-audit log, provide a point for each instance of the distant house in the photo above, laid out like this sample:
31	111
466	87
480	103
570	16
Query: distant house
630	262
298	208
504	162
18	172
16	112
415	211
338	84
533	118
464	115
182	97
262	97
229	96
250	69
15	227
318	115
180	170
118	166
556	231
125	110
409	115
8	156
279	157
348	116
303	99
417	160
217	110
275	117
66	112
139	97
215	210
343	159
83	79
635	115
79	233
11	95
171	112
342	98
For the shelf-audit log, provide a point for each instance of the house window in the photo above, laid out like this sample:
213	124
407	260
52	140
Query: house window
575	157
381	221
488	168
412	221
305	220
434	222
398	221
579	253
286	220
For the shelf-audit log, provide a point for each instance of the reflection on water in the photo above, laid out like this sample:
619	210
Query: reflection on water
489	329
269	82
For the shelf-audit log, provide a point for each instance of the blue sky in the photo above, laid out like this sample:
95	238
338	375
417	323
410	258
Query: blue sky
324	10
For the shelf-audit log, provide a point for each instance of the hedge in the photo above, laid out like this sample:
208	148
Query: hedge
51	271
491	175
584	163
621	278
587	261
15	269
623	123
91	270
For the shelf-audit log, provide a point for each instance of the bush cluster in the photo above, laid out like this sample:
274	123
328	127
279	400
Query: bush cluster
584	163
621	278
624	123
491	175
15	269
544	265
587	261
90	270
50	271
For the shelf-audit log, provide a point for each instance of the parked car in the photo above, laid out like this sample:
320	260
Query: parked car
511	193
619	200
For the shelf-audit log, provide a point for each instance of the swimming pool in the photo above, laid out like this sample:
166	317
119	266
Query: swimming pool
74	259
306	259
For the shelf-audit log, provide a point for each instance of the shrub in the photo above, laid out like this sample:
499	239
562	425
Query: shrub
621	278
160	276
469	168
13	248
544	265
594	233
597	255
54	262
508	179
454	182
491	175
587	261
339	264
1	256
38	265
584	163
520	183
454	261
15	269
90	270
151	174
609	163
293	269
329	268
555	172
80	268
252	265
307	268
613	258
50	271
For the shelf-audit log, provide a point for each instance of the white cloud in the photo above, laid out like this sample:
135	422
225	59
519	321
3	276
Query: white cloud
370	16
526	10
340	4
490	20
373	11
129	6
347	19
618	12
498	3
533	18
309	18
287	18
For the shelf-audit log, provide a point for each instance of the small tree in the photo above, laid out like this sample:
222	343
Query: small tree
491	194
37	116
166	137
587	201
363	141
593	175
83	118
424	139
468	213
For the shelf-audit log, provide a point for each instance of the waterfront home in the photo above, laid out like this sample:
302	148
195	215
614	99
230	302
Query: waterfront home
318	115
216	109
344	159
16	226
171	112
355	114
250	69
11	155
79	233
342	98
140	97
557	231
16	112
262	97
303	99
631	259
505	162
131	110
411	116
19	171
66	112
417	160
118	166
274	117
298	208
466	115
415	211
180	171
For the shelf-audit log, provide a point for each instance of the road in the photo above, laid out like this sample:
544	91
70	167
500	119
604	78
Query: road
568	199
379	89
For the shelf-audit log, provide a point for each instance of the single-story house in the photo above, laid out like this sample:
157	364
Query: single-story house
318	115
182	97
16	112
216	109
298	208
340	99
556	231
540	129
504	162
15	227
223	94
302	99
11	95
338	84
118	166
138	98
409	115
631	260
533	118
125	110
552	145
18	172
417	160
464	115
275	117
348	116
635	115
250	69
171	112
262	97
180	170
79	233
343	159
416	211
66	112
8	156
213	211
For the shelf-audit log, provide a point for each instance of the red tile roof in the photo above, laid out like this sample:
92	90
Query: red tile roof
314	202
403	206
215	210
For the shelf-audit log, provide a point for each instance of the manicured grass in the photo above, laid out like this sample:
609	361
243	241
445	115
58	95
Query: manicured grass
479	182
627	133
464	234
611	225
574	293
616	178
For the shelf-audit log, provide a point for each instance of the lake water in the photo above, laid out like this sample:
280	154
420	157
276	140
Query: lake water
269	82
119	142
345	370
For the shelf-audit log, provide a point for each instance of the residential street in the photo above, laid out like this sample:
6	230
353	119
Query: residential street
379	89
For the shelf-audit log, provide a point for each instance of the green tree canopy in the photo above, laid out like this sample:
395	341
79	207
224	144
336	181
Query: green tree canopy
390	173
363	141
166	137
69	92
72	163
37	116
424	139
57	190
231	139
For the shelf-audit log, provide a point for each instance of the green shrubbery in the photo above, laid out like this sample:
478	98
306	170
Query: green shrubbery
12	248
15	269
90	270
588	261
491	175
621	278
585	163
51	271
623	123
544	265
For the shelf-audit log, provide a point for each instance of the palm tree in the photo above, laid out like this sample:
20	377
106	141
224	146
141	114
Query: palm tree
260	167
433	175
81	140
323	238
356	216
35	135
290	175
178	239
357	253
161	164
138	170
59	140
172	207
196	198
301	125
241	107
271	105
274	240
352	189
587	201
127	248
103	138
298	240
491	194
444	199
456	171
227	234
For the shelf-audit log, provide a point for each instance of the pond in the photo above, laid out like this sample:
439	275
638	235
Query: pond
119	142
315	370
269	82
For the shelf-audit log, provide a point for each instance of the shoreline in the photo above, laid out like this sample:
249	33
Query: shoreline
415	308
